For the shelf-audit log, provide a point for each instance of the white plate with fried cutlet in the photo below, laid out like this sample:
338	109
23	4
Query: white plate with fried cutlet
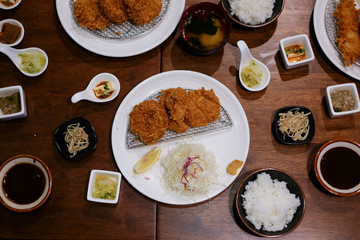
227	144
98	42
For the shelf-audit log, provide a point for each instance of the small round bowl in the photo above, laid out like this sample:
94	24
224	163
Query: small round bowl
16	23
294	188
2	6
203	11
337	167
278	7
14	182
62	146
288	140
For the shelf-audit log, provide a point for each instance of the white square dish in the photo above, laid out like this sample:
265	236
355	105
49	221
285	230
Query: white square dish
7	91
347	86
298	39
114	176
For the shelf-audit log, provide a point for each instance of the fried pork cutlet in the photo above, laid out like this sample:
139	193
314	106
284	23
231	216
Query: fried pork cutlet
88	14
175	101
348	35
143	11
203	107
149	121
115	10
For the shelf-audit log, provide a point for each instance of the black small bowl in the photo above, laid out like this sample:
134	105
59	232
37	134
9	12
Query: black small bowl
287	140
205	9
293	186
62	146
278	7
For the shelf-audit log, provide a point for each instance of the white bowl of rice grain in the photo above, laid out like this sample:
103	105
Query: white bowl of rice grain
270	202
253	13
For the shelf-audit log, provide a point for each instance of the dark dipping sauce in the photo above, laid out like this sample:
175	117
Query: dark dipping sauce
24	183
340	167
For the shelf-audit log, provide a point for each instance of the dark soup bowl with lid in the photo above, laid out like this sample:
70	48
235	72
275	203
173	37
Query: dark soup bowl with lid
337	167
26	183
205	28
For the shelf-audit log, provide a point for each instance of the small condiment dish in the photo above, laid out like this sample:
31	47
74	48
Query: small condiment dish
201	13
116	176
284	139
292	185
298	39
19	174
62	146
15	23
89	94
278	7
3	6
337	167
246	58
8	91
14	55
347	86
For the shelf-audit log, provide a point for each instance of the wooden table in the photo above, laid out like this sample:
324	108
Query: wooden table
68	215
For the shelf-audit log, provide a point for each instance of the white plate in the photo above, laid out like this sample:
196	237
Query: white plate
227	145
116	47
325	44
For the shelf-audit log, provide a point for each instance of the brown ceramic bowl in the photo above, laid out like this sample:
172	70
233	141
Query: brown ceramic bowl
278	7
337	167
26	183
193	23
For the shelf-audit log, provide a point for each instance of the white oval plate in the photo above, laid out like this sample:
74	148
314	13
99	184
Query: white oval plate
116	47
227	145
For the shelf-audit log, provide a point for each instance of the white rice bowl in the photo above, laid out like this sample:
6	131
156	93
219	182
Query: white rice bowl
252	12
269	204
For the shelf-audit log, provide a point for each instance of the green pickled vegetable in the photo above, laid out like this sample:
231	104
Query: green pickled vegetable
105	187
251	75
32	62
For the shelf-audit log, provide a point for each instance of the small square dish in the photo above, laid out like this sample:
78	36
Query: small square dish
342	100
296	51
284	126
12	103
104	186
63	146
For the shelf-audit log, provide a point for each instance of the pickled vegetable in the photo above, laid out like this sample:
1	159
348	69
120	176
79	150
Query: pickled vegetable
105	187
32	62
252	74
342	100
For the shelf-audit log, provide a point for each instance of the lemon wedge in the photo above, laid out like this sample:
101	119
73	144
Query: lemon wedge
147	161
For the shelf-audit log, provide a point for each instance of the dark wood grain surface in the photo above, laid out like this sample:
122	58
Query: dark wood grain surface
68	215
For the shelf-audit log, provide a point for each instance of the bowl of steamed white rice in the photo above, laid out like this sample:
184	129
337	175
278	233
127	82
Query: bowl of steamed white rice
253	13
270	202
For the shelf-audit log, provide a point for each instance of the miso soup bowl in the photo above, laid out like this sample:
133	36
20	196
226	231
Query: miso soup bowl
203	10
20	159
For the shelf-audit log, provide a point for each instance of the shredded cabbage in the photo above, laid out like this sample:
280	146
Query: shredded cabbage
190	170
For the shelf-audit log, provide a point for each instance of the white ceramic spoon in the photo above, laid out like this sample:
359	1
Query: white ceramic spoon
13	54
246	57
89	95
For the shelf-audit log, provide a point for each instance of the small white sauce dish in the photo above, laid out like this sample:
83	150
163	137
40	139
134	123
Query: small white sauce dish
89	95
16	23
91	186
298	39
347	86
8	91
2	6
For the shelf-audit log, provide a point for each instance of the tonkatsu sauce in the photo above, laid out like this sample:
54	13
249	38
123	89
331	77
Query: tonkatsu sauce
340	168
24	183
